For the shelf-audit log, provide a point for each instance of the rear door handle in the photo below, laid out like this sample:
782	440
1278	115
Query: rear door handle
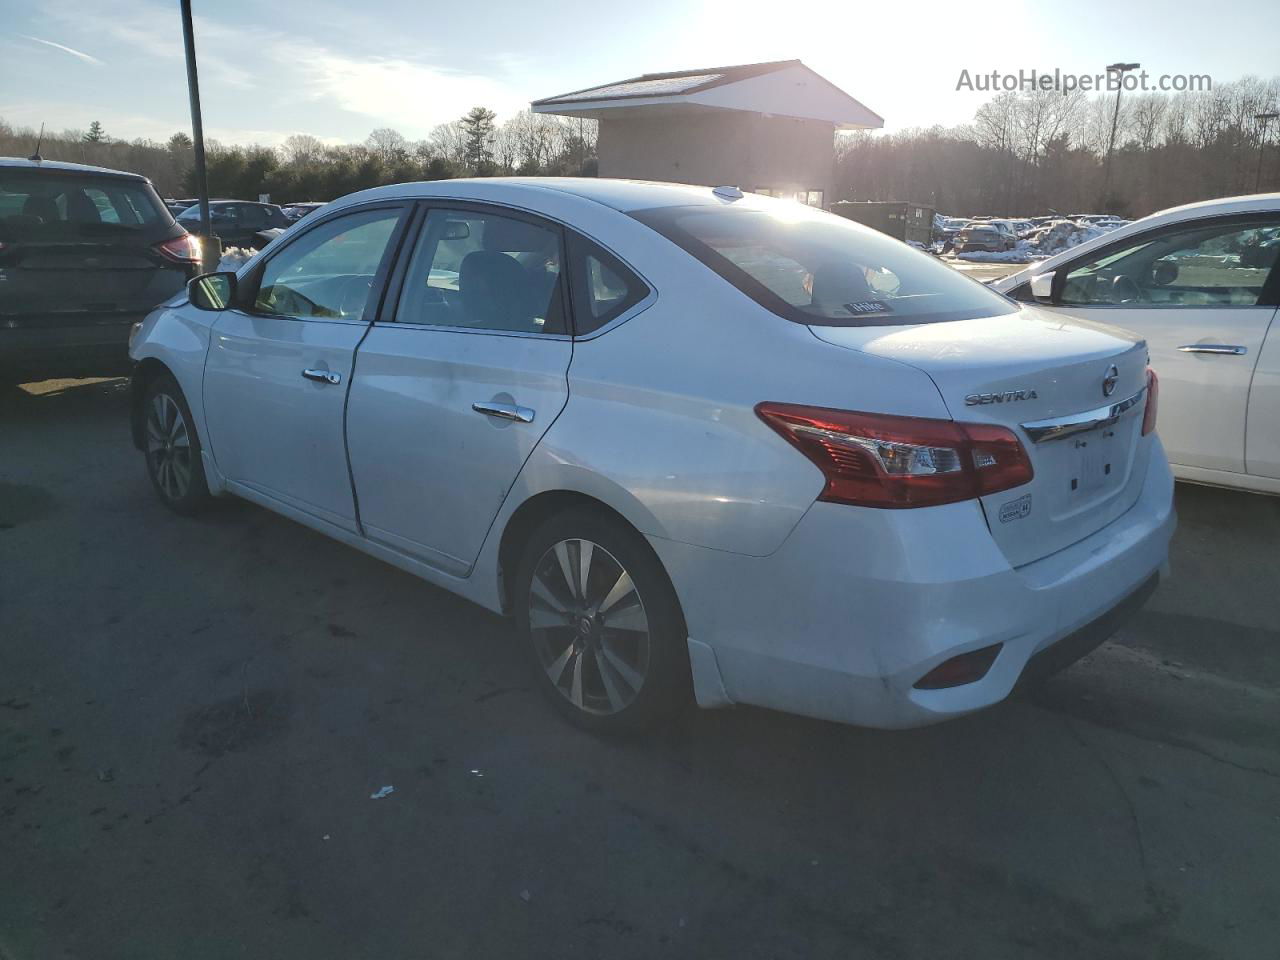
322	376
504	411
1227	348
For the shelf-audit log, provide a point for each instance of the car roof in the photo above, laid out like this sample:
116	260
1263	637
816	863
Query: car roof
622	195
61	166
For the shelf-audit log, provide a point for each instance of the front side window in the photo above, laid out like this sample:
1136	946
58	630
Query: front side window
484	271
1222	264
328	271
816	268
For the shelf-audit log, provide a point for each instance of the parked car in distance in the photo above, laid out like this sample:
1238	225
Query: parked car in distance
296	211
85	253
984	237
238	223
1201	284
923	492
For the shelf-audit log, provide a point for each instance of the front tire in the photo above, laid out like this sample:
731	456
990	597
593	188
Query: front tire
601	624
172	448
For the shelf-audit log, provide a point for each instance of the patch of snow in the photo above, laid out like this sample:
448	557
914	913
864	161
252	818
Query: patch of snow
233	258
1046	241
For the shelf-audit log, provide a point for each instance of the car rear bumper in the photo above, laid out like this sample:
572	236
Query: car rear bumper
58	346
859	604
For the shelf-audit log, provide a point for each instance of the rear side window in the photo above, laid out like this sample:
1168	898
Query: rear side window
817	268
603	288
484	271
38	206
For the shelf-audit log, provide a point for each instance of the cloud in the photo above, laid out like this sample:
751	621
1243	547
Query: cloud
275	76
65	49
410	96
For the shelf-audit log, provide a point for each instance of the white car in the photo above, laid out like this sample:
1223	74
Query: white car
1201	284
694	442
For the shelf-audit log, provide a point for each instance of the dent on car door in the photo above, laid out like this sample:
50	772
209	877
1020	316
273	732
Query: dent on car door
452	396
279	364
1198	293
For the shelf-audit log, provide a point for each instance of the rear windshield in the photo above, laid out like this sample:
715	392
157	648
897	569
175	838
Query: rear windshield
37	205
818	268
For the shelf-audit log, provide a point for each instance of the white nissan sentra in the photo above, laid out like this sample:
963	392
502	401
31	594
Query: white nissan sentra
697	444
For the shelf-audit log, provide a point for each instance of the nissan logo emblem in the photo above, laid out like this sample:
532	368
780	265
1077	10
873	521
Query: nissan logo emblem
1110	380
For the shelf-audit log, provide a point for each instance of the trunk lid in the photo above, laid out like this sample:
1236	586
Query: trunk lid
1016	370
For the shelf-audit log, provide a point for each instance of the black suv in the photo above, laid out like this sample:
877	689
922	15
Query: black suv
84	253
238	223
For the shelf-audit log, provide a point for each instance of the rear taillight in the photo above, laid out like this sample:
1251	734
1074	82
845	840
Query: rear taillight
876	460
184	249
1153	402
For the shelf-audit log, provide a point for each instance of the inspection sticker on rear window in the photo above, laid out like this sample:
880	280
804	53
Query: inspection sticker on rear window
868	306
1015	509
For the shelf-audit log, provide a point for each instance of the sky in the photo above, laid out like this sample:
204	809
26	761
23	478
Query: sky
338	70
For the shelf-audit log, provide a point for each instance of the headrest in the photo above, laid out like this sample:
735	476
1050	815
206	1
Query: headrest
835	284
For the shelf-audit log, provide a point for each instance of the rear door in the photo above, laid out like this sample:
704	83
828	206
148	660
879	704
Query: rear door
1195	293
451	398
279	367
82	248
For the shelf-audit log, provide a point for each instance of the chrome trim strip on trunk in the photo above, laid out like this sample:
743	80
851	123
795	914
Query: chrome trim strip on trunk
1055	428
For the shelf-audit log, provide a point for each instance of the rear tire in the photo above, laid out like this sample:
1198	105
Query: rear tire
608	649
172	448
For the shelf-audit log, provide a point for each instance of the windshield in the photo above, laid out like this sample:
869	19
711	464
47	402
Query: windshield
38	205
817	268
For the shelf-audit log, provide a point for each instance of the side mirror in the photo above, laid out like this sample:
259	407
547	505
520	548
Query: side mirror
212	291
1042	286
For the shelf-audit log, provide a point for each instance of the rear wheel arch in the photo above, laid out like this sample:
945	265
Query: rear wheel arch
533	513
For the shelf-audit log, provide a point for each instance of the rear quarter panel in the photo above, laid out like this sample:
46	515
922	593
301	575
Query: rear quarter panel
661	422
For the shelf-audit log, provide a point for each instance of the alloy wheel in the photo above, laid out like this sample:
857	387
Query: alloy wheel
589	626
168	446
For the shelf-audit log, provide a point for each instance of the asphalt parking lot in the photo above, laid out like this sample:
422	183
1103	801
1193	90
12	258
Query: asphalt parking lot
194	714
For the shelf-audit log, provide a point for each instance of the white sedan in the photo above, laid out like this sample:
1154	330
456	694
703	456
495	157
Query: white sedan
1201	284
700	445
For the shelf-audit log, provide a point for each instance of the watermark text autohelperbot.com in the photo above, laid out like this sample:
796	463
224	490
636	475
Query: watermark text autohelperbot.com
1029	81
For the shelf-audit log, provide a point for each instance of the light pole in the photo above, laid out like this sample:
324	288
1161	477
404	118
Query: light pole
210	252
1120	69
1264	119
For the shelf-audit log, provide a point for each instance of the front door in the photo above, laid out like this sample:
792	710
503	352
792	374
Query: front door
1195	293
452	397
278	370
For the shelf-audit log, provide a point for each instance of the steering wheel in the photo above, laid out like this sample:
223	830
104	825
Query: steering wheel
1124	289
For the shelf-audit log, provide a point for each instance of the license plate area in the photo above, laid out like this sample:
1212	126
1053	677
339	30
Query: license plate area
1092	465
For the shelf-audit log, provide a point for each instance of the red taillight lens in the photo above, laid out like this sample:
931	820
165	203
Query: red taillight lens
876	460
1153	402
184	249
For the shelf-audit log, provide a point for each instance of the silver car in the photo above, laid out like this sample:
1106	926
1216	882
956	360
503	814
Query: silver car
700	446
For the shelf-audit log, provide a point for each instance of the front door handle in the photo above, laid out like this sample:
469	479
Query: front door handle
504	411
1227	348
322	376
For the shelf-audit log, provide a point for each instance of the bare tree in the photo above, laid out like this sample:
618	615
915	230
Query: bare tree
388	145
301	149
